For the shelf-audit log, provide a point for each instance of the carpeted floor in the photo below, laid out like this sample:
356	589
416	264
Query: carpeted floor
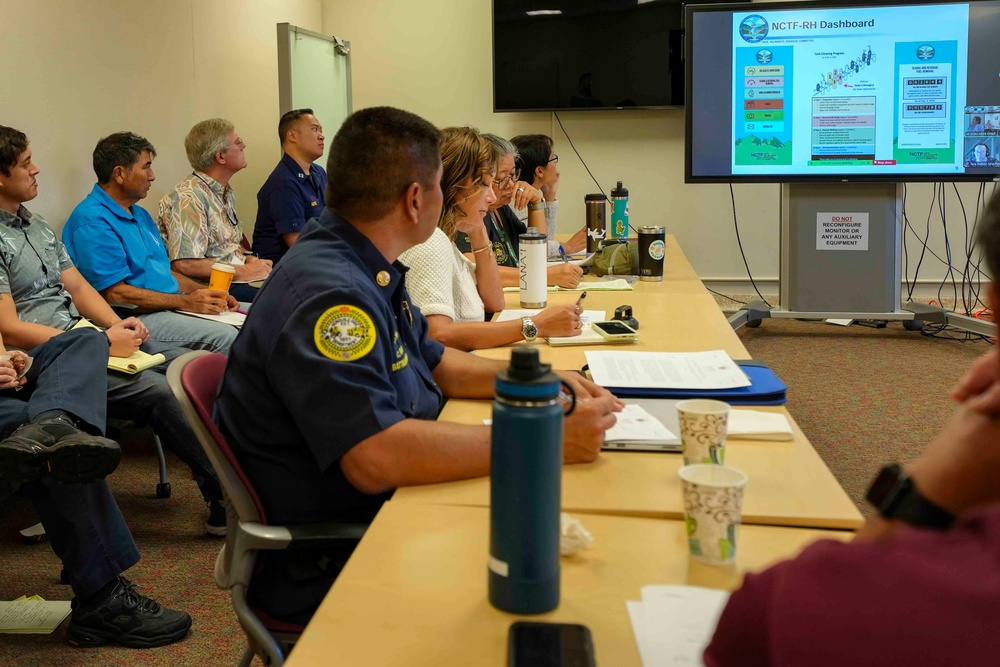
863	396
176	570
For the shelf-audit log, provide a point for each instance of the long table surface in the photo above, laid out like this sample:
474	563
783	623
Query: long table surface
415	592
789	484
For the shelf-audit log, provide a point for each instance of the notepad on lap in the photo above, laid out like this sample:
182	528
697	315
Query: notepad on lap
138	361
231	317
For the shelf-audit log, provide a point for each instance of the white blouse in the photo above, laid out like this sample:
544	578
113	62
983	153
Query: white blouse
441	281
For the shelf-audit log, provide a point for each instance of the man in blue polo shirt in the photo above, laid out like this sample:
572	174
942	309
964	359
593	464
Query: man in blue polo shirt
293	193
117	247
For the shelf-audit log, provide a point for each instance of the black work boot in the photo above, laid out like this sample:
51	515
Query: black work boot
124	617
52	443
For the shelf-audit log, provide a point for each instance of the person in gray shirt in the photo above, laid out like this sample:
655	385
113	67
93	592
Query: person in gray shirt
42	295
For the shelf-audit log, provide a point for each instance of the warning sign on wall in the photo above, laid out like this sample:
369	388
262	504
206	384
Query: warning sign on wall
842	231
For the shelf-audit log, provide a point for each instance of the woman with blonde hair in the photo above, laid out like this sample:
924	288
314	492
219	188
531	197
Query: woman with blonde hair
453	292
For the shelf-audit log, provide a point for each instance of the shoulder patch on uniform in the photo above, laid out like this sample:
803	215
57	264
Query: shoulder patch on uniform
344	333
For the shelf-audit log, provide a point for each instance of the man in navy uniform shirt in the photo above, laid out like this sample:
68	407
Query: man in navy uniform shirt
293	193
332	388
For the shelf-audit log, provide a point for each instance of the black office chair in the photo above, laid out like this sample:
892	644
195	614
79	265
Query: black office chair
194	379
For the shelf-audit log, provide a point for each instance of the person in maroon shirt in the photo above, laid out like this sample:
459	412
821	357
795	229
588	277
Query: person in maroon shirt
920	584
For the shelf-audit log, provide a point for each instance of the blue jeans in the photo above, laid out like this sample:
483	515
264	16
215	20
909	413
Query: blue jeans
191	332
85	527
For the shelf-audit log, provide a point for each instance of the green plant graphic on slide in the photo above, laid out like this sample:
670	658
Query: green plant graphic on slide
763	150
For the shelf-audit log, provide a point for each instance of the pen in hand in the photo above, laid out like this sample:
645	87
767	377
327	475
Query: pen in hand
562	253
583	295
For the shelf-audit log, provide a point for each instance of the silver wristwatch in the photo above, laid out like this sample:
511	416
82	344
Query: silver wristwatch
528	329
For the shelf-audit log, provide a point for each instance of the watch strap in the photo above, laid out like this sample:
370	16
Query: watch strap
895	495
916	510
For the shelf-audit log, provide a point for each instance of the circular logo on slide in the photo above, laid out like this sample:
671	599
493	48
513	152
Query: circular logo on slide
753	28
764	56
925	52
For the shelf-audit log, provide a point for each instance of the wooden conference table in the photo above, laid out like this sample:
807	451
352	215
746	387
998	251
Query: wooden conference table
790	485
414	592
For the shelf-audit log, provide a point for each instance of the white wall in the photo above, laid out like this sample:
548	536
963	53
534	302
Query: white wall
76	71
434	58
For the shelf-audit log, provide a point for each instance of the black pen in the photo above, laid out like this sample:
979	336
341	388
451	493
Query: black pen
583	295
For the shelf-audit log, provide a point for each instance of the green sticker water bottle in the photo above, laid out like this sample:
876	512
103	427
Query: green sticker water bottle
619	212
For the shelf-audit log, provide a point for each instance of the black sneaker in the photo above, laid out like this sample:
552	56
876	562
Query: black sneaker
55	445
127	618
215	525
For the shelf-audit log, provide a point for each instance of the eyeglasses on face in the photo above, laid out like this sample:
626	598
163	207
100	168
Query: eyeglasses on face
503	184
554	158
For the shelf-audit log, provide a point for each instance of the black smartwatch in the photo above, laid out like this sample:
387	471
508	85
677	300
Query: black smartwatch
895	496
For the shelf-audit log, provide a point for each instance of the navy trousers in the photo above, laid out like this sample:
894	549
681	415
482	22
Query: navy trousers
85	527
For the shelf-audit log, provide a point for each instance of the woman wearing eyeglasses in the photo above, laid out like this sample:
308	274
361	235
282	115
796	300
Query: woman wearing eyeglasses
453	292
540	166
504	227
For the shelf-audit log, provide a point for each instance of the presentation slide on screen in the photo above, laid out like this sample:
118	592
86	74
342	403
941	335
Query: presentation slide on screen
880	89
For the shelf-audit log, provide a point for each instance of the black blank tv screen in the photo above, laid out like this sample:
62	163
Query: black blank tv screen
550	55
839	91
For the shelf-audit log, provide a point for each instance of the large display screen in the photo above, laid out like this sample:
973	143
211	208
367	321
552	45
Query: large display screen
550	55
890	91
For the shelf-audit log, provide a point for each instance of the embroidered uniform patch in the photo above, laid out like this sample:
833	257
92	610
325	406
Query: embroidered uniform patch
344	333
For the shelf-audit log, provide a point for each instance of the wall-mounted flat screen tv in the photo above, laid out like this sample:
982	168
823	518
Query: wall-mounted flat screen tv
551	55
838	91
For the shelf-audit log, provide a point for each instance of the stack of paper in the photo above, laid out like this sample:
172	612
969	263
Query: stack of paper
32	615
674	624
666	370
757	425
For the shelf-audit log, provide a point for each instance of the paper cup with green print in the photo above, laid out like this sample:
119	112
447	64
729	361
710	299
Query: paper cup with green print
704	424
713	507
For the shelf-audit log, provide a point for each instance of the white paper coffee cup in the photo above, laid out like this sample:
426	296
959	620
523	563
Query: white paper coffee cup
704	424
713	509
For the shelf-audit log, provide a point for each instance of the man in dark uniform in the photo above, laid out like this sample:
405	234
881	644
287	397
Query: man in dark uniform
293	193
332	387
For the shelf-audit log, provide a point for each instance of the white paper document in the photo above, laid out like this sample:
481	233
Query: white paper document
674	624
634	424
587	317
232	317
32	615
666	370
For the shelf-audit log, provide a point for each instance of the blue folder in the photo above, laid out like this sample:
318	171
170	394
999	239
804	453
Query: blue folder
765	388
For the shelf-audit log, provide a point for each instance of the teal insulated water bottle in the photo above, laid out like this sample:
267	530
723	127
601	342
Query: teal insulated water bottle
525	480
619	212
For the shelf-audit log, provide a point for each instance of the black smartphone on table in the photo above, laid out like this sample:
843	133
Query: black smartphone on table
531	644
